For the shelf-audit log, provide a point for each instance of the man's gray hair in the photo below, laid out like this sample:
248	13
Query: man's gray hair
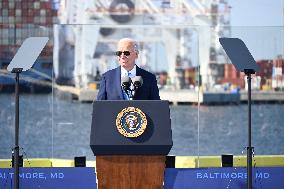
135	44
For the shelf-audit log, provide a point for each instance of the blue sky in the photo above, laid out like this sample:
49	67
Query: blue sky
257	12
259	23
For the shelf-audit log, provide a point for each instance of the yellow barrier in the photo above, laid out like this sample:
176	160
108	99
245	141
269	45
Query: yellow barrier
5	163
181	162
185	162
238	161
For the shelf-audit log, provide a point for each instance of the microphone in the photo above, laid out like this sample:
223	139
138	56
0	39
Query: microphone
137	82
125	83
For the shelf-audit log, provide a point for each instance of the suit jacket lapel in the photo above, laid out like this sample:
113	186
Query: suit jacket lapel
118	81
138	71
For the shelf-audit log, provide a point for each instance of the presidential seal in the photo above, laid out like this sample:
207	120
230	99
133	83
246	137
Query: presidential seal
131	122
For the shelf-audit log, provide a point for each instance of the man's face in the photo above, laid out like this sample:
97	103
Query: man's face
126	61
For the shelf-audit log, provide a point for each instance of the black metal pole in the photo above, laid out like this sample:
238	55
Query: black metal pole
249	148
16	149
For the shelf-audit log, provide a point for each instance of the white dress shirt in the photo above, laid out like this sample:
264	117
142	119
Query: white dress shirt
131	73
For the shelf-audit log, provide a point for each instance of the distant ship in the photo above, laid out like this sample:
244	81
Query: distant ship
36	80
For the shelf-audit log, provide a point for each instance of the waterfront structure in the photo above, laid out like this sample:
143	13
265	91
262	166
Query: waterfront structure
270	75
172	35
277	74
18	21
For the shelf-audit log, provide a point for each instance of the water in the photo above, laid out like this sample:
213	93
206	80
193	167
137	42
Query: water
55	128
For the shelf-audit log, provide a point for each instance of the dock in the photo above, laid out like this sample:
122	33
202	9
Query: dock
185	96
263	96
193	97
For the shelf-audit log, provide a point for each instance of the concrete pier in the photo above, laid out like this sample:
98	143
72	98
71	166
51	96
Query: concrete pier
87	95
191	96
188	96
177	96
263	96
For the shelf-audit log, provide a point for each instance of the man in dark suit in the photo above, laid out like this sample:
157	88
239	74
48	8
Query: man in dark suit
110	86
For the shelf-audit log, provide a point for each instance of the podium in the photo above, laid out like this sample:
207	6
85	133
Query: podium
130	140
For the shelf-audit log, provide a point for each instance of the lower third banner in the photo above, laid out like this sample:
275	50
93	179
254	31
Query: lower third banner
198	178
231	178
